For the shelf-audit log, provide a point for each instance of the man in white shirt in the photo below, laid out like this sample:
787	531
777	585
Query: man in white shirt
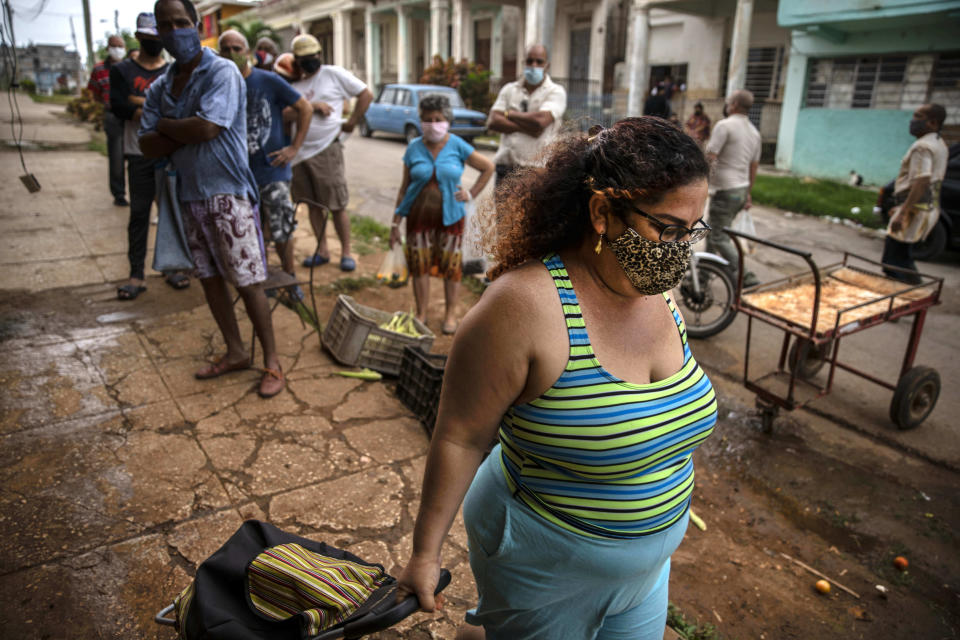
527	114
319	178
916	193
734	155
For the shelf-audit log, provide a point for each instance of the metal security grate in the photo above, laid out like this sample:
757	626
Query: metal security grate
885	82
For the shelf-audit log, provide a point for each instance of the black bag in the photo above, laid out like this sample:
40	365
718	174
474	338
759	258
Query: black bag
218	604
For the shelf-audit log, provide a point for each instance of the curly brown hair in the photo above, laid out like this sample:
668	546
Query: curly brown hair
545	209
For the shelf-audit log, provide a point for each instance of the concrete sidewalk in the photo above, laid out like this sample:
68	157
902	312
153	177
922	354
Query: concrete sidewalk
44	124
120	473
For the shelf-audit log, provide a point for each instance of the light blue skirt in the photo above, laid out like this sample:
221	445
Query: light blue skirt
537	580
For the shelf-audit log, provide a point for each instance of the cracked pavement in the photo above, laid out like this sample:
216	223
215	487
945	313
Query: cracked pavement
120	473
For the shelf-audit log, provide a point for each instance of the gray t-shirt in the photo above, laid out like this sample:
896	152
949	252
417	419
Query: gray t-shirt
737	144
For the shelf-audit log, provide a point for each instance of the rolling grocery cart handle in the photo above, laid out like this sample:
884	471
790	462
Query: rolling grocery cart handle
398	612
161	617
769	243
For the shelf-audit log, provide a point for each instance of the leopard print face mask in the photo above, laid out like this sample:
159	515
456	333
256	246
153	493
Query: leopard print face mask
652	267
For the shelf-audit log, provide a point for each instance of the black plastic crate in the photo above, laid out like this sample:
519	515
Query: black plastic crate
419	382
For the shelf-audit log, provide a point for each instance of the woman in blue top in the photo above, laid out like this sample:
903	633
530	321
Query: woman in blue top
431	198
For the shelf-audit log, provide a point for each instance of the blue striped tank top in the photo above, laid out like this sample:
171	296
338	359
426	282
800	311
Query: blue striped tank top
600	456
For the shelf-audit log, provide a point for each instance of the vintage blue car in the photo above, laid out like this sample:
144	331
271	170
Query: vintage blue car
396	111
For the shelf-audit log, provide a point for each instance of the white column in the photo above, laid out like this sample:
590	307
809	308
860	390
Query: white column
548	14
521	42
438	29
598	47
457	17
403	45
739	46
372	42
531	31
496	44
341	39
638	57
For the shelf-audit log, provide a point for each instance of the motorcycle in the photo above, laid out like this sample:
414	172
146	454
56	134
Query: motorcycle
706	294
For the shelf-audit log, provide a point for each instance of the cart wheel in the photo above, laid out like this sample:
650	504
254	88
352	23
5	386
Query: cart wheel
807	358
915	397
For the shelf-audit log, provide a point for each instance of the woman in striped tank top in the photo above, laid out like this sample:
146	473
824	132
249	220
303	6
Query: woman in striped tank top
576	360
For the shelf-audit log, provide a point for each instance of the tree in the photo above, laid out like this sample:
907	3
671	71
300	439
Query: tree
253	30
470	80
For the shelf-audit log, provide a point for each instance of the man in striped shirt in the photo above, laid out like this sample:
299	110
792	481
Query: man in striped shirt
99	87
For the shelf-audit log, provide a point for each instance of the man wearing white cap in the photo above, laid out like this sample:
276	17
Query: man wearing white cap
319	178
129	81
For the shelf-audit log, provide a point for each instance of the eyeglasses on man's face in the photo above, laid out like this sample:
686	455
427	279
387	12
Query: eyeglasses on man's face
676	232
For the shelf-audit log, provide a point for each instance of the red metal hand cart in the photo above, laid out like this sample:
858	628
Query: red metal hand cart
816	309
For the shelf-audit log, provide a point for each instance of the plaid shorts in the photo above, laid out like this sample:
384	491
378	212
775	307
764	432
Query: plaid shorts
278	211
223	233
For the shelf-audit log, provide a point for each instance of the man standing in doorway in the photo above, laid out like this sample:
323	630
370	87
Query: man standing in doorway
734	155
129	81
99	87
916	192
319	178
527	114
267	96
196	114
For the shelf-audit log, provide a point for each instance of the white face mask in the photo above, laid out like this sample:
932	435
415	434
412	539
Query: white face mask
116	53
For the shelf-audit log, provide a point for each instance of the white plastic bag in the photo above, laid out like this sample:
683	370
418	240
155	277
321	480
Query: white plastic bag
744	224
393	270
472	246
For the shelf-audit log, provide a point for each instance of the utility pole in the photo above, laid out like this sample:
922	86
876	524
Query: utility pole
116	21
73	36
88	31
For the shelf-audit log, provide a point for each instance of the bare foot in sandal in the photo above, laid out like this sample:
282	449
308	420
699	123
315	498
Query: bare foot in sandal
221	367
271	383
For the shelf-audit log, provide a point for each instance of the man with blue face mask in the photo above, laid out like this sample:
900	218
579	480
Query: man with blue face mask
527	113
196	115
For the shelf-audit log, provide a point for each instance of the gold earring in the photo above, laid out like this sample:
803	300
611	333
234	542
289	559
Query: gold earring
599	246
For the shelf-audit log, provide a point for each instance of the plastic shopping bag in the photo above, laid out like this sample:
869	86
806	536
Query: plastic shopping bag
171	252
744	224
393	270
474	259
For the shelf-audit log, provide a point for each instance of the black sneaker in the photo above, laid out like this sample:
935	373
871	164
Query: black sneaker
120	201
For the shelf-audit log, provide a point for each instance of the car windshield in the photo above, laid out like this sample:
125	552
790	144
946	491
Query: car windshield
452	96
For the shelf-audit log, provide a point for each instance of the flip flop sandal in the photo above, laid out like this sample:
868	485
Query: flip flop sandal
178	281
129	291
347	263
315	260
219	368
271	383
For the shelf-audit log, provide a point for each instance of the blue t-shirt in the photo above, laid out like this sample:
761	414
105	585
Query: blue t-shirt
267	95
215	92
449	169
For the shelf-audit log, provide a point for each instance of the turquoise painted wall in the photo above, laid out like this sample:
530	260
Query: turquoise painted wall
831	142
796	13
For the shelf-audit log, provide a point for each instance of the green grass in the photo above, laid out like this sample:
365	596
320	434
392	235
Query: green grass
816	198
54	99
98	143
349	284
368	235
689	630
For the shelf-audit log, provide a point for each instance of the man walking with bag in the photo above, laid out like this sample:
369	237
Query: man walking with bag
734	155
916	193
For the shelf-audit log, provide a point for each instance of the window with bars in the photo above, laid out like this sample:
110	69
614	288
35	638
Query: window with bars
764	71
886	82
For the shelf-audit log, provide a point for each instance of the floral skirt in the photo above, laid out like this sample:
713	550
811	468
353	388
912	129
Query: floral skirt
432	248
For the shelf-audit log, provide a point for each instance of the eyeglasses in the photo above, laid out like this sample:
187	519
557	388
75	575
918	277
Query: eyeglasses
676	232
537	61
